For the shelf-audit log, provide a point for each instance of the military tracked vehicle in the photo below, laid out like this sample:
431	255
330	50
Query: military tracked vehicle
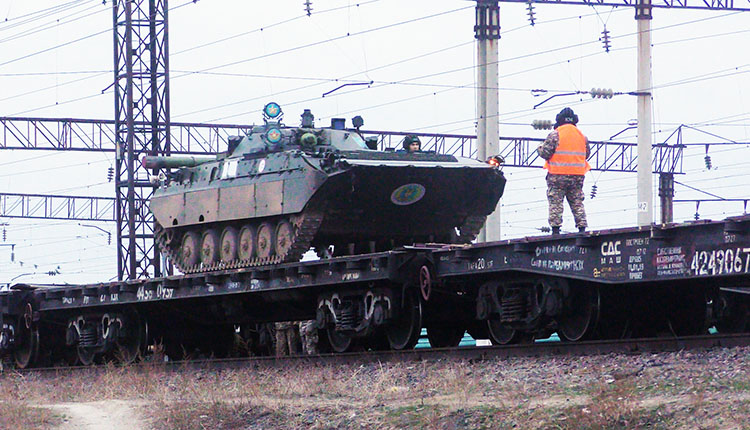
278	191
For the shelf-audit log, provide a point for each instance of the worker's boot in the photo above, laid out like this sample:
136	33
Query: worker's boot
556	230
581	229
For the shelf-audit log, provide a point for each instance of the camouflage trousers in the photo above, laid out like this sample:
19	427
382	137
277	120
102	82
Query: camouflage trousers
570	187
309	334
287	338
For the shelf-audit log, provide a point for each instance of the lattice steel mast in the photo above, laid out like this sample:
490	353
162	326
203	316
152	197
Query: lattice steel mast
141	126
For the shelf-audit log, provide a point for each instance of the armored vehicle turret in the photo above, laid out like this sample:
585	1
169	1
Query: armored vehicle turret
278	191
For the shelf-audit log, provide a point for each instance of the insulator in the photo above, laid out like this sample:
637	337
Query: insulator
530	13
5	234
545	229
593	191
308	7
602	93
605	39
697	216
110	173
707	159
541	124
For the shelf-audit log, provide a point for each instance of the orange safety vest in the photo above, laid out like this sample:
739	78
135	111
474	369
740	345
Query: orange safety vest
570	156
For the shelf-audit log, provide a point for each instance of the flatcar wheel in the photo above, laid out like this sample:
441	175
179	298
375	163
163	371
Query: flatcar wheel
26	350
246	249
130	346
264	240
403	332
691	316
339	342
501	334
210	246
190	249
85	356
377	341
229	245
733	315
445	337
478	330
70	355
284	237
582	314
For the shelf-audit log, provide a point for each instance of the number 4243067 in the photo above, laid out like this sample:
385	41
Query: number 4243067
721	261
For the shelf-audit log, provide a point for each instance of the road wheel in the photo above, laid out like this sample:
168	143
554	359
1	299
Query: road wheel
210	246
284	238
229	245
246	249
190	249
264	240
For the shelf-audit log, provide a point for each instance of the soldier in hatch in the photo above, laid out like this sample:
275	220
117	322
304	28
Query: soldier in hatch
412	144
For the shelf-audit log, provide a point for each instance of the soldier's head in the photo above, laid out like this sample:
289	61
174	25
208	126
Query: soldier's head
566	116
412	143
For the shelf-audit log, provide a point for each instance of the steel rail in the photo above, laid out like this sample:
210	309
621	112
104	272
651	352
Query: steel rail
473	354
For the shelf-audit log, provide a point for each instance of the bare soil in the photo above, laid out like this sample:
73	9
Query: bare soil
685	390
104	414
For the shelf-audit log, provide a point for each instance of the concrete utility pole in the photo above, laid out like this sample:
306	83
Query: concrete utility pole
645	180
487	33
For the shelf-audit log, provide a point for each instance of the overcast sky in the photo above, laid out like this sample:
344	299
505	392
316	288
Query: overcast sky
228	58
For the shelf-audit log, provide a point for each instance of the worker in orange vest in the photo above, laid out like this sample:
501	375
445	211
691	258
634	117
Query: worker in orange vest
566	150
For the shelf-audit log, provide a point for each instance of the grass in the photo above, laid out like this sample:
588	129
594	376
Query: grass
20	415
602	392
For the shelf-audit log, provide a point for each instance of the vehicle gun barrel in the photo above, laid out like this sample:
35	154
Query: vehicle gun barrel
173	162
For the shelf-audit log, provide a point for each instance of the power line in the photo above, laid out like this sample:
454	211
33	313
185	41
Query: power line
75	40
276	24
320	42
57	85
70	72
52	48
31	16
50	25
46	169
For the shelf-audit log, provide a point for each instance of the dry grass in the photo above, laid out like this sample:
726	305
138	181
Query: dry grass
684	390
20	415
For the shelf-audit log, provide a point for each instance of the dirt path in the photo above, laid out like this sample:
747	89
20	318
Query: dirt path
108	414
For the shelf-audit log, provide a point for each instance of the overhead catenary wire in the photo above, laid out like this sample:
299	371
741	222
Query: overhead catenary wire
35	15
92	96
70	42
50	25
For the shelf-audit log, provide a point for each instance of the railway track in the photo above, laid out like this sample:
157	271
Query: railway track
479	353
